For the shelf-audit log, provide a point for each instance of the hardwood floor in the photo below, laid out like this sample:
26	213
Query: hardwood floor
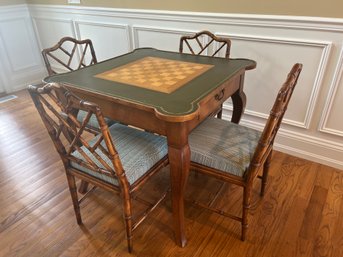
301	213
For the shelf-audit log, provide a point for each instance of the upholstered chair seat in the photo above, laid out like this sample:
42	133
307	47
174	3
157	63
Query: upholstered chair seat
138	150
223	146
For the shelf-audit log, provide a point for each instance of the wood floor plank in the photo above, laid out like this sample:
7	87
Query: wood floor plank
314	213
337	241
325	237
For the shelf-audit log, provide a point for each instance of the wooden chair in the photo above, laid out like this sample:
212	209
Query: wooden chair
236	154
206	43
71	54
119	158
210	46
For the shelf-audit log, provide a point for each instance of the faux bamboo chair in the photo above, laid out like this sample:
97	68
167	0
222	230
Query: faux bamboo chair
206	43
66	53
71	54
211	46
119	158
236	154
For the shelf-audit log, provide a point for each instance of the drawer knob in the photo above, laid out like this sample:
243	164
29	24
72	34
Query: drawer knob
220	95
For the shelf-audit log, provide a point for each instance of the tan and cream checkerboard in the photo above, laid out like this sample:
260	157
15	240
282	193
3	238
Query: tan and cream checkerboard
158	74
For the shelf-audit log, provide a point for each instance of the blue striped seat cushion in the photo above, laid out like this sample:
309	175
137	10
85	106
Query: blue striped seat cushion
223	145
138	151
93	122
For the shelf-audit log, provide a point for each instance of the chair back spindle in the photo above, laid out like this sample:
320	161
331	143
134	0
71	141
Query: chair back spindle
69	54
205	43
276	115
69	134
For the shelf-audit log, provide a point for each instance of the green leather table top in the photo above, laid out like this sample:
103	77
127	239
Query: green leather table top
181	101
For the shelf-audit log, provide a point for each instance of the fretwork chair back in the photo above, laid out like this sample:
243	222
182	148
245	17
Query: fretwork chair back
237	154
119	158
206	43
69	54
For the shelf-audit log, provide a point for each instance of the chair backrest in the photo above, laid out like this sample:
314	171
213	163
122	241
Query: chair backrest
58	108
275	118
70	54
205	43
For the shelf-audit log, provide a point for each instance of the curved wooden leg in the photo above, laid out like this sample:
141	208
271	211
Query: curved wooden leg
220	113
179	162
266	166
74	197
239	101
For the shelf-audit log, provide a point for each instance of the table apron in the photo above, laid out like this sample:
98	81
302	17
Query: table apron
215	99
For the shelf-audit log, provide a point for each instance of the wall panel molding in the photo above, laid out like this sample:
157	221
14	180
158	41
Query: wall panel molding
118	33
337	81
42	20
101	25
25	28
325	47
19	53
137	28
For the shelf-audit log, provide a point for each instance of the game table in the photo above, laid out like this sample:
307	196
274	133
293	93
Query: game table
166	93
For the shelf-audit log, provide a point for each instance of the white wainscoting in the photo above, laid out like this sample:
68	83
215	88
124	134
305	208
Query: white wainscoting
313	125
105	37
20	62
332	117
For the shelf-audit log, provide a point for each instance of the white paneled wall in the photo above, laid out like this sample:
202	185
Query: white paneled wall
313	125
50	30
332	117
274	57
20	61
105	37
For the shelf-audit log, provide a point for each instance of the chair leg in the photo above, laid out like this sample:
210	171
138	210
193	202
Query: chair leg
128	219
246	207
266	166
83	187
74	197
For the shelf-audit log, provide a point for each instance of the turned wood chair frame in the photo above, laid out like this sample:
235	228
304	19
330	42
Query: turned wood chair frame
212	39
84	46
78	46
67	134
262	155
224	42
